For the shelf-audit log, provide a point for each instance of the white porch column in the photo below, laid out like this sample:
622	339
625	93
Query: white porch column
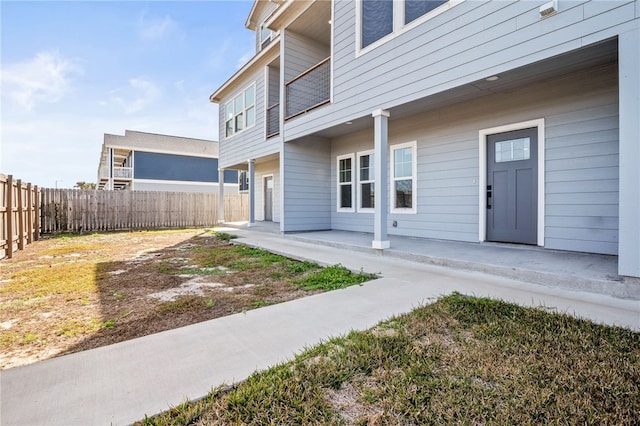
252	193
381	147
220	196
629	163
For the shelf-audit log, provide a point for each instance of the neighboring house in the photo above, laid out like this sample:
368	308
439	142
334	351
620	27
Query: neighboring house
503	121
150	162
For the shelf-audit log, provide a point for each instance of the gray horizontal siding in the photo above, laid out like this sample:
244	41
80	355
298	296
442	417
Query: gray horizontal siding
581	178
301	53
251	142
466	43
263	169
307	193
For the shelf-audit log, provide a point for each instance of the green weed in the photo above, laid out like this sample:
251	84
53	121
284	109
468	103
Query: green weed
333	278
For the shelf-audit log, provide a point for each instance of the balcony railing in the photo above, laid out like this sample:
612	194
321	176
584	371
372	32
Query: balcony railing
309	90
122	172
273	120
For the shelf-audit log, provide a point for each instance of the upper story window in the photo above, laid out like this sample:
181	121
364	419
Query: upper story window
265	36
413	9
378	19
240	113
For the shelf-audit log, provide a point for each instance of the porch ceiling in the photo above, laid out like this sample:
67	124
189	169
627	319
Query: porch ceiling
315	22
597	54
245	166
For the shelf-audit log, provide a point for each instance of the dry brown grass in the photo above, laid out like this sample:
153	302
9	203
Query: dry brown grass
461	360
73	293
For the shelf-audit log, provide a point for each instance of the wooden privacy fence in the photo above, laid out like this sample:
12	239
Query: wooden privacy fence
19	215
74	210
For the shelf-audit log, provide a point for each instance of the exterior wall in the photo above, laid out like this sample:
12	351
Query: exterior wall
152	165
158	185
267	10
301	53
307	192
262	170
581	162
249	143
468	42
152	142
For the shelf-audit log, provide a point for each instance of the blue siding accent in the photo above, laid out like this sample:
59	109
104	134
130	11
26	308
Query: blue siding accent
152	165
230	176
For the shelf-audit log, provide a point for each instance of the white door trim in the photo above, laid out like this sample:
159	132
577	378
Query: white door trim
482	178
273	194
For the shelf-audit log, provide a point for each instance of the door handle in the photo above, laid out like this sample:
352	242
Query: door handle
489	193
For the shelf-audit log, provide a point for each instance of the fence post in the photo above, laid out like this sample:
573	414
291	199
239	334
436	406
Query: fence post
20	206
36	213
10	216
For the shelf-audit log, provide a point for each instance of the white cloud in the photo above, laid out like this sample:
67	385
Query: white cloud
155	28
137	96
45	78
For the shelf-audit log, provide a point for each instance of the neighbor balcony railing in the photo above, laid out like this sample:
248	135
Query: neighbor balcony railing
309	90
122	172
273	120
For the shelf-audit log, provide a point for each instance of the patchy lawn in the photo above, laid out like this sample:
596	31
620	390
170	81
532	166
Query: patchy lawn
72	293
461	360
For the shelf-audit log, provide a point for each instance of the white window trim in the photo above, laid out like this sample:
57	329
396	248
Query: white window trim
243	191
270	37
482	178
244	110
399	26
359	187
338	184
414	177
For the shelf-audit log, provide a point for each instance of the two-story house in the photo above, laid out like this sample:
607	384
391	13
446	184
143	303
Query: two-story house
506	121
141	161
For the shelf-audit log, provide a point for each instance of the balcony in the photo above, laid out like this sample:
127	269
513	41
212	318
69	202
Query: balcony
122	172
273	120
309	90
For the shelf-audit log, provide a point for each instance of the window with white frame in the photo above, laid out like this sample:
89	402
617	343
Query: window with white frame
377	20
366	185
380	18
414	9
403	178
265	36
243	181
240	112
345	180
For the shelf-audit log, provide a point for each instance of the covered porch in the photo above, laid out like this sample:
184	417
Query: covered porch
585	272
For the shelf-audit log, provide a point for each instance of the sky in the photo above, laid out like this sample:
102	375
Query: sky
72	71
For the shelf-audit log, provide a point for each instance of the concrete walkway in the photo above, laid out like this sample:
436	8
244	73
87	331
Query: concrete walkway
119	384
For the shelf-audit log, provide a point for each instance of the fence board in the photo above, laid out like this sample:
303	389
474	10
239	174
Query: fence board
19	224
72	210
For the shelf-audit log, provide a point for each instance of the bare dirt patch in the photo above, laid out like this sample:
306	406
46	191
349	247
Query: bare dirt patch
68	294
